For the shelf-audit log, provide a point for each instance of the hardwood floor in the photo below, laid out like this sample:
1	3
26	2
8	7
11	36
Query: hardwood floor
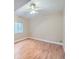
34	49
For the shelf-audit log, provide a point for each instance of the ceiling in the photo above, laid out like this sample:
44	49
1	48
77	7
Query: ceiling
45	7
19	3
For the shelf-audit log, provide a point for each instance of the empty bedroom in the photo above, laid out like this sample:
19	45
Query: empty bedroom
39	29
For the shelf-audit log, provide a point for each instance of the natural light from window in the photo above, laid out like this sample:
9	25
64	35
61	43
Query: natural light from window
18	27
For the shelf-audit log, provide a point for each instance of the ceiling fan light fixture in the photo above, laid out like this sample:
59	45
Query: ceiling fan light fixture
33	5
33	8
33	12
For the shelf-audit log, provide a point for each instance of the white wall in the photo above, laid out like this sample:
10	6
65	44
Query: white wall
50	27
25	22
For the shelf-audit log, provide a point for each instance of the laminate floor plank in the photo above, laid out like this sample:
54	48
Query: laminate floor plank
35	49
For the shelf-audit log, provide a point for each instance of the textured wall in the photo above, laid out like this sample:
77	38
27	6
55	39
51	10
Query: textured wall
26	26
49	27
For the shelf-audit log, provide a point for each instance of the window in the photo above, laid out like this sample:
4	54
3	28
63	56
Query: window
18	27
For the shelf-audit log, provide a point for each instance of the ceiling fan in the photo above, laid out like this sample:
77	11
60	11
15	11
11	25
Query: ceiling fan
32	7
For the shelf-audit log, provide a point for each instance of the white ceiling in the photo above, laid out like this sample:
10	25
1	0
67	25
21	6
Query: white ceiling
19	3
46	7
